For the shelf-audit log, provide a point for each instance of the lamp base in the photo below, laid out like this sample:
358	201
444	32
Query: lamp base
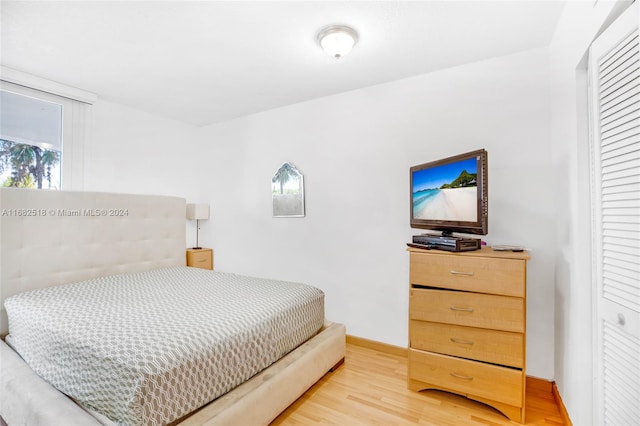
197	248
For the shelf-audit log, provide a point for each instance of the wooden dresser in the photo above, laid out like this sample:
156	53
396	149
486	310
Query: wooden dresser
467	325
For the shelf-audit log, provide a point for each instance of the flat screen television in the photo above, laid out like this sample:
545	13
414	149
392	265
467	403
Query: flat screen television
450	195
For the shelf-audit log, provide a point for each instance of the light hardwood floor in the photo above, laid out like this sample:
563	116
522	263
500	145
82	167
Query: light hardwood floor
370	389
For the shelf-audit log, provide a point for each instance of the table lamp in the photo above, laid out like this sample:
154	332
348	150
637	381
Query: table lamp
197	212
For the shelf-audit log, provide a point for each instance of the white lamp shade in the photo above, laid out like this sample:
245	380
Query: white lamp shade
197	211
337	40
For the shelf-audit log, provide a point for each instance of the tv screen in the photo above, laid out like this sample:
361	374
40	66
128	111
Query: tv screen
450	195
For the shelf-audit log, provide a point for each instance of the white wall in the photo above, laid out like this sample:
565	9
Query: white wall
355	150
574	374
132	151
135	152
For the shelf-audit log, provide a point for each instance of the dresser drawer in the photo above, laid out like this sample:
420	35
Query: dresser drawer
469	309
488	381
469	273
497	347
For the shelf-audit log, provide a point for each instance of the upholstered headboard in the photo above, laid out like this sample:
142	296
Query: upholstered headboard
56	237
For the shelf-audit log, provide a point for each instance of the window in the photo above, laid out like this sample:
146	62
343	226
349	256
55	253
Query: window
42	134
30	142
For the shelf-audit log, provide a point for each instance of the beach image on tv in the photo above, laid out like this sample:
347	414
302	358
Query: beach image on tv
446	192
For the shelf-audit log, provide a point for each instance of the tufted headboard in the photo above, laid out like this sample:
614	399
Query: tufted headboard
56	237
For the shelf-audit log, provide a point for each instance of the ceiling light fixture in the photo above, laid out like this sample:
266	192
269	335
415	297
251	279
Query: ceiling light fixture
337	40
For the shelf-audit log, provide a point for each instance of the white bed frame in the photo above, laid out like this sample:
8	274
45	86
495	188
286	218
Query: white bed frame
55	237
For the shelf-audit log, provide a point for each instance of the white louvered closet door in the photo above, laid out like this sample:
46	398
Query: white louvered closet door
615	106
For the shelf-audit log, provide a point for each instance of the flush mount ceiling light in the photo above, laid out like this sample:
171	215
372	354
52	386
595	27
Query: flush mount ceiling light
337	40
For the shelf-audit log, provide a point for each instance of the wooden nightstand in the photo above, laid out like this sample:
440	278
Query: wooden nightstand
200	258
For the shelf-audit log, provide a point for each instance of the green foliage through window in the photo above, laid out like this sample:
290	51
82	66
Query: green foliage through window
29	166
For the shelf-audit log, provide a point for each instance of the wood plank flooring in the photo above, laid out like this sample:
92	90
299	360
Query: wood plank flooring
370	389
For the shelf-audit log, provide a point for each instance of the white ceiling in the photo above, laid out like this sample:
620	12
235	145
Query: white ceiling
208	61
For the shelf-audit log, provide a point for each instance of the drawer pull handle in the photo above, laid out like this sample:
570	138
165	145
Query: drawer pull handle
454	308
462	342
460	273
460	376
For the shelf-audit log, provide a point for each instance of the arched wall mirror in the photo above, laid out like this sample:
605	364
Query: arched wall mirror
287	190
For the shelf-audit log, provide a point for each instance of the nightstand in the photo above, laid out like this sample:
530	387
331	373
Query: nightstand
200	258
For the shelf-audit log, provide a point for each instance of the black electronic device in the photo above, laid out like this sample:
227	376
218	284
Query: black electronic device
451	194
448	243
420	246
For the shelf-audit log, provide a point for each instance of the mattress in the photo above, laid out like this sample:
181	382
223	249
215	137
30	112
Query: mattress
149	348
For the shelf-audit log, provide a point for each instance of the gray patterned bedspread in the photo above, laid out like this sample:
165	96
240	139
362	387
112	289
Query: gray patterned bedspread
151	347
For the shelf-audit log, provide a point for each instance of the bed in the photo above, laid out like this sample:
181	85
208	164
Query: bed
93	243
